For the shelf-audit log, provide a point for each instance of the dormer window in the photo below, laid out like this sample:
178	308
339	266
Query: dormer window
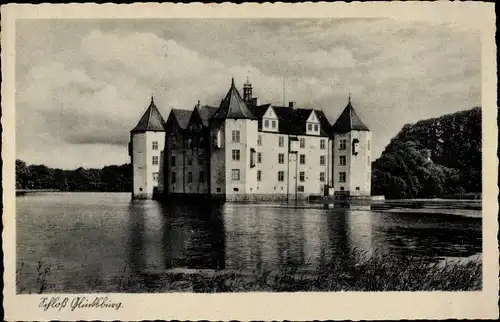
309	127
266	123
273	124
316	128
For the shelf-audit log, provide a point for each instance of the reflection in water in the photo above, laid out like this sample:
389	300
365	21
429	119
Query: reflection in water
108	232
218	236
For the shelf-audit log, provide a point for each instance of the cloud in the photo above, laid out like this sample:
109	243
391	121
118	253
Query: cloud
81	86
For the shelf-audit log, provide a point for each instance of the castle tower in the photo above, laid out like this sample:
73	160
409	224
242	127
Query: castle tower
147	141
351	154
247	91
233	129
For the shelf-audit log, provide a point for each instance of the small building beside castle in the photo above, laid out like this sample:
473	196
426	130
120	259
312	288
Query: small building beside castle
245	151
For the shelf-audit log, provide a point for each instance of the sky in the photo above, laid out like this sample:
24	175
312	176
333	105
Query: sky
82	85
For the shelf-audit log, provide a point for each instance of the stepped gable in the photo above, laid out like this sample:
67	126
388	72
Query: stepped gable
349	120
233	106
182	117
151	120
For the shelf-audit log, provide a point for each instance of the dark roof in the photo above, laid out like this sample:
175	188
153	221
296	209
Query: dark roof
233	106
151	120
349	120
293	120
206	112
182	117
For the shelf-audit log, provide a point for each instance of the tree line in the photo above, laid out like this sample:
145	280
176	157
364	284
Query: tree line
439	157
113	178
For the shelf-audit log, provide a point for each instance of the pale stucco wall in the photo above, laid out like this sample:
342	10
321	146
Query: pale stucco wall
357	168
143	167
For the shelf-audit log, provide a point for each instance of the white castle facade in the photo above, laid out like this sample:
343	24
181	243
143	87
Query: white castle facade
244	151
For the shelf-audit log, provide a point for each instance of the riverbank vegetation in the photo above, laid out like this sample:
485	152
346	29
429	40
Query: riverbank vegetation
355	271
439	157
113	178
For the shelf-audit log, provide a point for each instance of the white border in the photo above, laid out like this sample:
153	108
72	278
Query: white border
269	306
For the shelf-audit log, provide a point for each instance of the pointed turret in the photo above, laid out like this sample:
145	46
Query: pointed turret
233	106
349	120
151	120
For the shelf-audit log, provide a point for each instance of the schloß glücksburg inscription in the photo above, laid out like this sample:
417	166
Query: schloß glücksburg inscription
78	302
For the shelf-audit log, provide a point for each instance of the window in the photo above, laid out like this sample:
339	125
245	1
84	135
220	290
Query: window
342	188
235	136
190	177
343	145
259	140
172	160
259	175
259	157
236	189
219	190
357	188
281	141
155	176
155	145
200	159
302	176
342	160
309	127
173	178
341	176
281	158
300	188
321	160
368	144
155	159
236	155
322	177
190	161
235	174
266	123
173	143
368	160
302	142
281	176
316	127
302	159
273	124
201	176
322	144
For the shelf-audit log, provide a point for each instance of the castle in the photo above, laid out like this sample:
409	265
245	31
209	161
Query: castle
245	151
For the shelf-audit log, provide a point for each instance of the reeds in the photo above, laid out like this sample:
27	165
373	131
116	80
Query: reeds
354	271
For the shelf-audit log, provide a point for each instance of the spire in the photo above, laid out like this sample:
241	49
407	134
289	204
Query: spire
349	120
247	91
233	106
151	120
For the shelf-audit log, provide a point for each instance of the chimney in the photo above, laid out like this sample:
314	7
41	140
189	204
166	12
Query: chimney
291	104
255	101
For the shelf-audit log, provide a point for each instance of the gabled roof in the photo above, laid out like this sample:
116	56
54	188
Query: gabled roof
151	120
233	106
182	117
206	112
349	120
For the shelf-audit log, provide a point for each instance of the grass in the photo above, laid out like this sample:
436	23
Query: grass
357	271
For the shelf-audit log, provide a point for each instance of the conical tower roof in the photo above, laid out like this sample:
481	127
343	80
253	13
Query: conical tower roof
233	106
349	120
151	120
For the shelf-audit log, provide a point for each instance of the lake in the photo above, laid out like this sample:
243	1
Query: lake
87	239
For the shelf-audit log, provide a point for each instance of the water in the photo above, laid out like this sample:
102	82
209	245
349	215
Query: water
87	239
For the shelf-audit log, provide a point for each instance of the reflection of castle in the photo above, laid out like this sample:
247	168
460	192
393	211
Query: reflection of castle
242	150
